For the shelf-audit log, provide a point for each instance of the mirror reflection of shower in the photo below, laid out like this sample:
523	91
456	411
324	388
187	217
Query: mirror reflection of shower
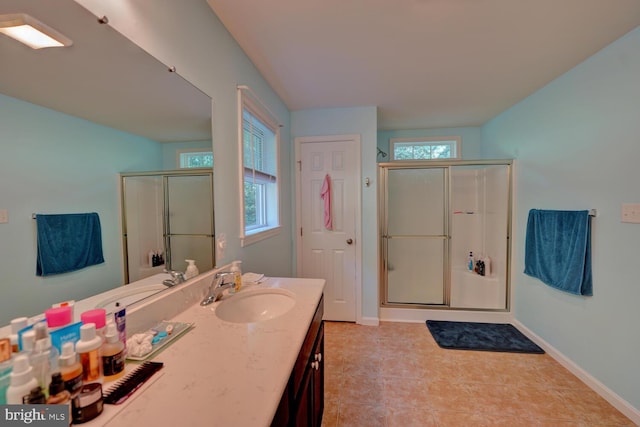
167	219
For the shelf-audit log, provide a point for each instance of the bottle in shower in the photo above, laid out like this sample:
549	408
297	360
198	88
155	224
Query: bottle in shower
470	263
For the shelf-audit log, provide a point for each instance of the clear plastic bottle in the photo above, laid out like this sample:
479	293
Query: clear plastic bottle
112	354
237	275
89	349
39	360
44	358
70	369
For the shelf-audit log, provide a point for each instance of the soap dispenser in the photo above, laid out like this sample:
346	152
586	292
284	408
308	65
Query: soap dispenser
237	275
192	270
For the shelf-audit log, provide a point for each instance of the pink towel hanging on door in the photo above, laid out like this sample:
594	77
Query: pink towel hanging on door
325	194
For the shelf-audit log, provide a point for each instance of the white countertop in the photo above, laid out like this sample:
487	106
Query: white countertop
220	373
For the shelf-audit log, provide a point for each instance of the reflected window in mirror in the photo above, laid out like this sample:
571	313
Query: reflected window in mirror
259	147
194	159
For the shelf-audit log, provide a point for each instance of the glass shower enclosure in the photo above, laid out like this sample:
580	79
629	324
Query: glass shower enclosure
169	213
432	216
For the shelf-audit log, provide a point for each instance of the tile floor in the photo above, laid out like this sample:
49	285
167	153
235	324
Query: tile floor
396	375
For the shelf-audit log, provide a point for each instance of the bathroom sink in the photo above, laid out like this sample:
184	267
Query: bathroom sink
255	305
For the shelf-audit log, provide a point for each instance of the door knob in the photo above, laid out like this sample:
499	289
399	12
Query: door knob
349	241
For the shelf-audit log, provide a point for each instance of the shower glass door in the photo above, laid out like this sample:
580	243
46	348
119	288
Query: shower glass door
415	238
189	221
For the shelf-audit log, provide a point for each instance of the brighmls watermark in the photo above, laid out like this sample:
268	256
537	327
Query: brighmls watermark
34	415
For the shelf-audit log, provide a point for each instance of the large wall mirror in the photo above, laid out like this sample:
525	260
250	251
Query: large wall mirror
73	119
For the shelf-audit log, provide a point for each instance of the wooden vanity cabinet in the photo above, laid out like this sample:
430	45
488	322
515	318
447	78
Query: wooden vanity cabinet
302	402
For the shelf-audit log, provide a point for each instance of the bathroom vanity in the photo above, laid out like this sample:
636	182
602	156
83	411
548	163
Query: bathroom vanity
302	402
238	373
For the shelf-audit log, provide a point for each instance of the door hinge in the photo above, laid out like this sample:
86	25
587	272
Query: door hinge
300	231
300	165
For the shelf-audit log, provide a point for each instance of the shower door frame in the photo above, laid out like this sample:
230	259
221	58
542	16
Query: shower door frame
383	237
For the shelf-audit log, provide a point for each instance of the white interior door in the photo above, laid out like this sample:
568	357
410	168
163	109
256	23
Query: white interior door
330	254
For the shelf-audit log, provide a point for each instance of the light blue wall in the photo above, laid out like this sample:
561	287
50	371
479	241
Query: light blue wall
577	145
362	121
471	139
188	35
54	163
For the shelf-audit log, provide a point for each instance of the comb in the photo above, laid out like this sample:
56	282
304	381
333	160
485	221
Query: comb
125	387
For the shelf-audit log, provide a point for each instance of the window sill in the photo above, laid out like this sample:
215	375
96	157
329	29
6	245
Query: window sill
256	236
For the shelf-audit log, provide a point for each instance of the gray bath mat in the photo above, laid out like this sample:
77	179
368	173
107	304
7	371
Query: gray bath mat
481	336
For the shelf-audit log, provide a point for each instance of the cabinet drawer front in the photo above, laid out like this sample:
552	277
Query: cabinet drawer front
306	352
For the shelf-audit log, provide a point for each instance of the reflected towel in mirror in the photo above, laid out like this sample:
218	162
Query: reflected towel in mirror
68	242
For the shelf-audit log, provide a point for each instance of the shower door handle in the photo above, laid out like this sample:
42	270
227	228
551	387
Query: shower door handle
349	241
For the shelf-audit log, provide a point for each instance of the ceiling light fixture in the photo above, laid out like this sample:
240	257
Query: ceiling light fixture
31	32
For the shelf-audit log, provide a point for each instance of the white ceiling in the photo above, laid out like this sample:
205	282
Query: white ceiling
423	63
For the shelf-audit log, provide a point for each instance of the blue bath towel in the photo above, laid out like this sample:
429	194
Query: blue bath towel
558	250
68	242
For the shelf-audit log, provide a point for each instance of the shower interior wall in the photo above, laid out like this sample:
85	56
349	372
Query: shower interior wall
479	212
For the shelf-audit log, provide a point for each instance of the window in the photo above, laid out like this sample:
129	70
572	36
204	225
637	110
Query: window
447	147
259	145
195	159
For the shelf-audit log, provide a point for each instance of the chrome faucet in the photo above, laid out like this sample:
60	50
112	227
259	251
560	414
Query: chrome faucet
217	288
177	277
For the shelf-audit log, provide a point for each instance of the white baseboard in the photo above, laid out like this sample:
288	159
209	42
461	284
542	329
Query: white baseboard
616	401
410	315
369	321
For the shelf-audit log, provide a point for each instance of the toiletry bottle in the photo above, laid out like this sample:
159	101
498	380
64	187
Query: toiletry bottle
28	341
70	369
470	263
112	354
57	393
6	364
192	270
39	360
44	358
89	349
58	317
98	317
487	266
22	380
237	275
88	404
16	325
35	397
120	317
150	256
